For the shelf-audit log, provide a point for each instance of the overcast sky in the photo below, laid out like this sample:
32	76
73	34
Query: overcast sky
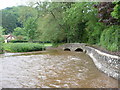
10	3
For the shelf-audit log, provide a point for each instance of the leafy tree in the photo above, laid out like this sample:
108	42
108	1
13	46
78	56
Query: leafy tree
10	19
19	31
1	41
116	11
2	30
8	22
82	22
29	21
49	30
110	38
51	21
105	9
30	28
26	12
65	22
74	22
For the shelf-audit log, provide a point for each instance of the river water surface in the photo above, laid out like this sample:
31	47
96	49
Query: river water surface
52	69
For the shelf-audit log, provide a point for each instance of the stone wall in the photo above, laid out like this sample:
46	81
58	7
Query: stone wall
109	64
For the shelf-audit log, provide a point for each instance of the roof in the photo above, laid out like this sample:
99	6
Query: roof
7	36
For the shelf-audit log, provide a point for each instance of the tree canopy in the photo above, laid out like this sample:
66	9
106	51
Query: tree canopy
65	22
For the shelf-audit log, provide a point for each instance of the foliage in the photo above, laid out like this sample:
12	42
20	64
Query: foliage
82	23
104	10
30	29
26	12
1	42
23	47
51	23
49	30
18	41
66	22
10	19
19	31
75	22
116	12
94	31
110	38
79	23
2	30
13	17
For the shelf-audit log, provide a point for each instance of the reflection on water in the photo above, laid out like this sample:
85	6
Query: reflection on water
55	69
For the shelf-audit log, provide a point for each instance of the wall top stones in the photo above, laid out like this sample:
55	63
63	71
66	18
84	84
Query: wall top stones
105	54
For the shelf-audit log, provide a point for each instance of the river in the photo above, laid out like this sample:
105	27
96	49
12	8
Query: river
52	69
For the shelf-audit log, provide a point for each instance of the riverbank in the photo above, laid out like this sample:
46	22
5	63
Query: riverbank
24	47
117	53
30	47
105	62
53	69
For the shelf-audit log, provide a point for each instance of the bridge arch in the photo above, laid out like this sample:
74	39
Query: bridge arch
67	49
79	50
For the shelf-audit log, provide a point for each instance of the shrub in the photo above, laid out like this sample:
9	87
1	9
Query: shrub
1	46
23	47
1	42
110	38
18	41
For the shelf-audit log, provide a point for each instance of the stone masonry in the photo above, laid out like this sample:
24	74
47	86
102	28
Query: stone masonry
109	64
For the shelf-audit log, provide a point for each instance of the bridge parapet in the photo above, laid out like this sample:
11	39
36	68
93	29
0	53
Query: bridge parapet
73	46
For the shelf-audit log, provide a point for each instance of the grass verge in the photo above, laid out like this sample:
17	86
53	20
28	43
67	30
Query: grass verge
24	47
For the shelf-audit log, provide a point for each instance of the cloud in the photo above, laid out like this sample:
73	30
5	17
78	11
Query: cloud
10	3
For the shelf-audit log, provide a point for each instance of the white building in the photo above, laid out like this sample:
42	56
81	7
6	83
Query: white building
8	38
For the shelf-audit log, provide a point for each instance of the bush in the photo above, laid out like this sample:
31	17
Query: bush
18	41
1	42
23	47
25	41
1	46
110	38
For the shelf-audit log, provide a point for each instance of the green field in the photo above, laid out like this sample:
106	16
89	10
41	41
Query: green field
25	47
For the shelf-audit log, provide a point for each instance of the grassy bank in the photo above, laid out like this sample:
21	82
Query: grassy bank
1	45
1	48
24	47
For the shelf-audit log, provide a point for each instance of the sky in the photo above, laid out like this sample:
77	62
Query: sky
10	3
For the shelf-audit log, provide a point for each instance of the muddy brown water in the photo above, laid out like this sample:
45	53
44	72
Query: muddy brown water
52	69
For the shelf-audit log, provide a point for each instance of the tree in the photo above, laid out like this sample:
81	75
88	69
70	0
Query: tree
31	28
110	38
26	12
105	9
10	19
8	22
19	31
116	11
51	21
1	41
49	30
81	20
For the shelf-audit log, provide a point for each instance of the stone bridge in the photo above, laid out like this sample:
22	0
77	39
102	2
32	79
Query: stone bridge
73	47
105	62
